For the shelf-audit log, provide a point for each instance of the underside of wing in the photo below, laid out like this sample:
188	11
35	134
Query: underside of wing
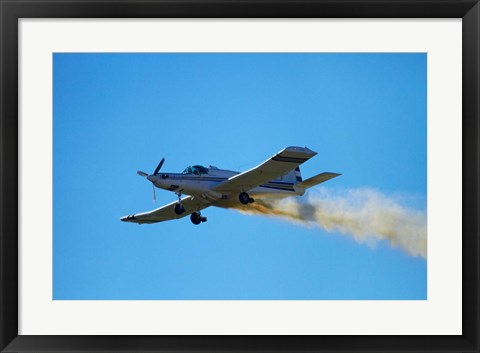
275	167
167	212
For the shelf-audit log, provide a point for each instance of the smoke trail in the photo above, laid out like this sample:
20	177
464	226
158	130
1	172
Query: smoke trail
365	214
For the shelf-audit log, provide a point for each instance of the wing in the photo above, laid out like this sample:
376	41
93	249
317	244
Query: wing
166	213
280	164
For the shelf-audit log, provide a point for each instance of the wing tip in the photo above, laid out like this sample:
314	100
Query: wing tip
130	218
300	150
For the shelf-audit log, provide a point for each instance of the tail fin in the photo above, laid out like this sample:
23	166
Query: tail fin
298	175
317	179
294	176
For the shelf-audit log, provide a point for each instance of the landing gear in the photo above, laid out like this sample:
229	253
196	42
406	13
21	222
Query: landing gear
244	198
197	218
179	209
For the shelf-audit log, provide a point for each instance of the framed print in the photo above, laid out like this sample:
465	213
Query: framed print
331	147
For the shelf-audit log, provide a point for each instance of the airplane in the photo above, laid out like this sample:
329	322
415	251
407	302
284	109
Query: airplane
279	176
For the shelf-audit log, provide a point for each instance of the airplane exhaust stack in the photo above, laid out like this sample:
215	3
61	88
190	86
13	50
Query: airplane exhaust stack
365	214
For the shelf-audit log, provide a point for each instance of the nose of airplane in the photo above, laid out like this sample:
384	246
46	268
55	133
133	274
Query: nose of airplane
152	178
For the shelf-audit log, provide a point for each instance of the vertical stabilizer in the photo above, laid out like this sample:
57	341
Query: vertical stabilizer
294	176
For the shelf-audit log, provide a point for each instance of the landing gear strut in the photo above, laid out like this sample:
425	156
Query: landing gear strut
245	198
179	209
197	218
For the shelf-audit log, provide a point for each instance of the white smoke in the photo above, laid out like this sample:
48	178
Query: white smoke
365	214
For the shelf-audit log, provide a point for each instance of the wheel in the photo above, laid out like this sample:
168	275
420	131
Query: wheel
195	218
244	198
179	209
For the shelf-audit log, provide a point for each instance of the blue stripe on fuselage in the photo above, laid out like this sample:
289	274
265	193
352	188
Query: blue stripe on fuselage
279	185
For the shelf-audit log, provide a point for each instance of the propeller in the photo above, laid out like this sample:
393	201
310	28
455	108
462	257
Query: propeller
159	166
145	175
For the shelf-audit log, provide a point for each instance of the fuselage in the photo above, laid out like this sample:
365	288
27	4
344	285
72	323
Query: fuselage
199	181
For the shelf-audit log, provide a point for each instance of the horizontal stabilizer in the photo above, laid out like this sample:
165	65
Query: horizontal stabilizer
317	179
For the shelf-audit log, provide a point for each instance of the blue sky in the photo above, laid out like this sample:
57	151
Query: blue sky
114	114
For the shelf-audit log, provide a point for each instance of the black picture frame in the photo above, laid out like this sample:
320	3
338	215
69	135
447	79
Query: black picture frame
12	10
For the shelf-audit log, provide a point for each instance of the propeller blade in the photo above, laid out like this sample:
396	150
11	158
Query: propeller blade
143	174
154	195
159	166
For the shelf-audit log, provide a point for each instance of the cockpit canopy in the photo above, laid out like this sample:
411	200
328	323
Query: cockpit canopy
196	169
